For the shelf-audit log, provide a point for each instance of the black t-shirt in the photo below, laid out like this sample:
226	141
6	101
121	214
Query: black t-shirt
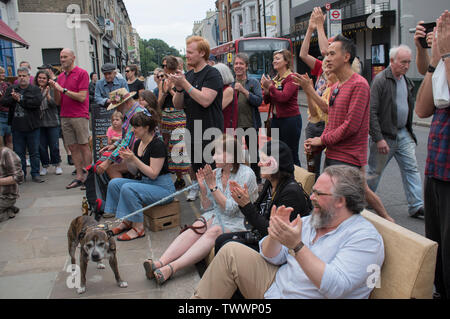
212	115
135	87
155	149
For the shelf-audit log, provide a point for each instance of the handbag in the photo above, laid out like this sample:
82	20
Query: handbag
196	228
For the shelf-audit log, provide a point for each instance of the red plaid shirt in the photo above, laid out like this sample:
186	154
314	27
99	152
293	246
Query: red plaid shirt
438	159
346	135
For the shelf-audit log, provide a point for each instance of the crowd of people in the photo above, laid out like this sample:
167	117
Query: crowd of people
254	211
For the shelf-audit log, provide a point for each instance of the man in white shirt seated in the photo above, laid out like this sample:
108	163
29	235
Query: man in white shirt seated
335	249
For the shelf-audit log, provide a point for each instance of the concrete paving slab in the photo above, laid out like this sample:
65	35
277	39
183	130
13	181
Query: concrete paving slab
27	286
46	211
58	201
39	222
35	265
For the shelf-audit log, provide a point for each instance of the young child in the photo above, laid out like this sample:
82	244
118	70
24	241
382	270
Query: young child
114	132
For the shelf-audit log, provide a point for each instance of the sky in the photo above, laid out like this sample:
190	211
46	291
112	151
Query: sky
168	20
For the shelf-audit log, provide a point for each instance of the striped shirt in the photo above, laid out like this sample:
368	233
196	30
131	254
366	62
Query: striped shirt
438	159
10	165
347	131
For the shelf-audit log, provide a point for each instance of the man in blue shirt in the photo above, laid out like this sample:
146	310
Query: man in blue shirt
335	249
109	83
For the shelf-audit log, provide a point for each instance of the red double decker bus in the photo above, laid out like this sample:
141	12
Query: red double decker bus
259	50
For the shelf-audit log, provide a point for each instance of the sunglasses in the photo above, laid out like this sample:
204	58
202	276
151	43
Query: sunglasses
126	71
333	96
164	65
160	76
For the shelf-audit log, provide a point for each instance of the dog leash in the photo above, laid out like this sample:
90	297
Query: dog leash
165	199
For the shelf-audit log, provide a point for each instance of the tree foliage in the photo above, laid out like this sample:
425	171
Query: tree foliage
152	52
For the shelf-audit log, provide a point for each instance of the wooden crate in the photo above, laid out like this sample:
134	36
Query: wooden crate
163	217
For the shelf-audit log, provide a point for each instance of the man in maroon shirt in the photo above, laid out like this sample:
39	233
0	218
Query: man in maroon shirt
71	92
347	131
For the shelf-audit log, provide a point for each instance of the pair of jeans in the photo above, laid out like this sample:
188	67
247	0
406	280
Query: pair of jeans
403	148
50	141
125	196
28	140
315	130
290	130
437	228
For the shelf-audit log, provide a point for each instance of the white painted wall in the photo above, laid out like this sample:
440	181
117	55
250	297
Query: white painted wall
50	31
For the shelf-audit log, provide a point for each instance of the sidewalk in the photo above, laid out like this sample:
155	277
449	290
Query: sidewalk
302	101
34	255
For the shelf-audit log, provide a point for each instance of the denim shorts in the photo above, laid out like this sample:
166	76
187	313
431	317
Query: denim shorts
5	129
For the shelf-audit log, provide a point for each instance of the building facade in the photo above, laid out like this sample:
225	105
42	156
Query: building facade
374	26
224	20
208	28
97	30
10	41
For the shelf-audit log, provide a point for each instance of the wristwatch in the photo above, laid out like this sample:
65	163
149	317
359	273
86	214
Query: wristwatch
179	91
298	247
65	90
214	189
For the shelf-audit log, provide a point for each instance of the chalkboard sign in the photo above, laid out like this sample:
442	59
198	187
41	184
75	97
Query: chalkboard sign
101	120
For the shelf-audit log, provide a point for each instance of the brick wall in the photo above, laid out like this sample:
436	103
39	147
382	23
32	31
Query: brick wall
48	5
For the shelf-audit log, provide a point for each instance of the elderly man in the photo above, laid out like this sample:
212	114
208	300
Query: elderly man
437	169
332	249
391	116
71	92
24	101
109	83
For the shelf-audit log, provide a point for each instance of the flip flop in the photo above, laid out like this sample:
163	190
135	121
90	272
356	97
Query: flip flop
74	184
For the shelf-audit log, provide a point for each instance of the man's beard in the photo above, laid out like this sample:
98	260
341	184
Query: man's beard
321	218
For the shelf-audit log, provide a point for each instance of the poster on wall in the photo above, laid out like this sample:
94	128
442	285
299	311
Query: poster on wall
377	69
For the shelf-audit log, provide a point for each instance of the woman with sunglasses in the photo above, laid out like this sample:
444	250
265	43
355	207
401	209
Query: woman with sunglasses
134	84
281	93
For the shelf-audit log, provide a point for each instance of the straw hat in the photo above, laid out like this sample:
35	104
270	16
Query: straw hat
118	97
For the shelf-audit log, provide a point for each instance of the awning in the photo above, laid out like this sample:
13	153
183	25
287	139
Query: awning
8	34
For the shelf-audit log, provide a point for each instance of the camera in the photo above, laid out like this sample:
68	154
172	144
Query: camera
252	237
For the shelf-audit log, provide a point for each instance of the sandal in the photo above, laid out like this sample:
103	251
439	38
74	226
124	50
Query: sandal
118	230
159	277
150	267
74	184
126	237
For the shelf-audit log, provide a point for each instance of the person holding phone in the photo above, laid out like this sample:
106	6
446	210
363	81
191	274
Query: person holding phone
423	39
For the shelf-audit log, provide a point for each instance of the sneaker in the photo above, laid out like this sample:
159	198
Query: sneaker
107	215
192	195
58	170
43	171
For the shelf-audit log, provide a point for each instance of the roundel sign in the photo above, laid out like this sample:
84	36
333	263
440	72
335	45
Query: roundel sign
335	14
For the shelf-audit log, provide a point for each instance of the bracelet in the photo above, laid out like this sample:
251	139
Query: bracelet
445	56
298	247
190	89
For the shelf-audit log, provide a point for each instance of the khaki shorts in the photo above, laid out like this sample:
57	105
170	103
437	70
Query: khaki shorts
75	130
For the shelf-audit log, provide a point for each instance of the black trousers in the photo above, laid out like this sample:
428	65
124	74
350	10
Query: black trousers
437	228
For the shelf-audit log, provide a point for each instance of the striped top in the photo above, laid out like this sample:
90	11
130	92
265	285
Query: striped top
347	132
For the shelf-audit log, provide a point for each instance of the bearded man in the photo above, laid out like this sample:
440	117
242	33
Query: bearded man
332	249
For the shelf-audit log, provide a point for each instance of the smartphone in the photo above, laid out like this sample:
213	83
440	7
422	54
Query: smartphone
428	28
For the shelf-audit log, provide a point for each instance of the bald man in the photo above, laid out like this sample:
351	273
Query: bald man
71	92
